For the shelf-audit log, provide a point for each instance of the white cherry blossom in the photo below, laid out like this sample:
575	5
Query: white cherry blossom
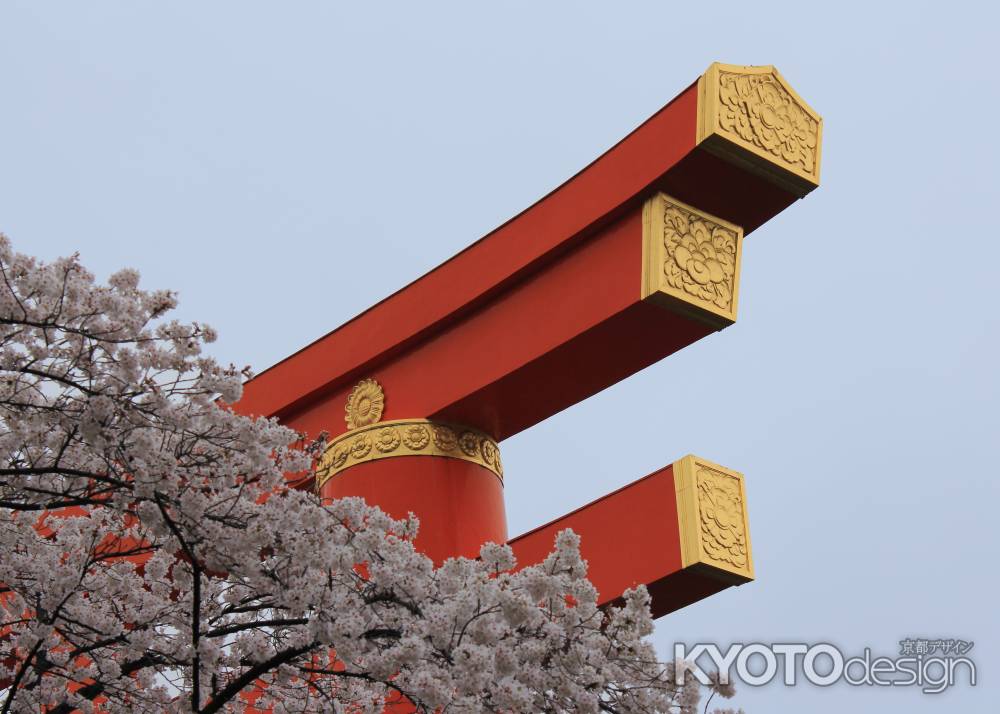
159	552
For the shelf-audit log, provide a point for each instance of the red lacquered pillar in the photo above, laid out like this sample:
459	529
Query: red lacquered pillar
448	475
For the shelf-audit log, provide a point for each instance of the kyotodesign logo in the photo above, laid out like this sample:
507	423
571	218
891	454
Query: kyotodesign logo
934	665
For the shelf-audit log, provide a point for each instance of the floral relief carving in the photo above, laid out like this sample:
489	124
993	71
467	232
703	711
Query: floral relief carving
701	257
722	525
759	110
416	437
491	455
445	438
364	404
407	437
469	442
339	457
360	447
387	440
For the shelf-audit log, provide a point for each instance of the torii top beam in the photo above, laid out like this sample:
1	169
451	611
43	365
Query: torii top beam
506	316
633	258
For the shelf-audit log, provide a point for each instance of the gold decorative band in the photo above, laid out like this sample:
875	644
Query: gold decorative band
712	519
407	437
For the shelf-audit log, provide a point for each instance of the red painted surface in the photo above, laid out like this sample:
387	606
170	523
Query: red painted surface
487	266
459	503
538	315
635	526
660	154
629	537
550	341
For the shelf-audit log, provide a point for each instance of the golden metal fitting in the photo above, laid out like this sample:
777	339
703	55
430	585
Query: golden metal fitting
752	117
408	437
691	260
712	518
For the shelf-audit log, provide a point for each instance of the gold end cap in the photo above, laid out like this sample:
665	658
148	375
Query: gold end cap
751	116
691	260
712	518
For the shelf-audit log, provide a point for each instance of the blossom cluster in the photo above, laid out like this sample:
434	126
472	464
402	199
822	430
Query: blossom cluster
159	553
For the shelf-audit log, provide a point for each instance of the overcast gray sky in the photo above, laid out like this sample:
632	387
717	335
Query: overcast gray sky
285	165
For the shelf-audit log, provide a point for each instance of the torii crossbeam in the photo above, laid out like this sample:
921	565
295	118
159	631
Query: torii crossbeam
630	260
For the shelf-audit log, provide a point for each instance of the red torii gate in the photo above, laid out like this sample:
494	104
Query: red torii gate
630	260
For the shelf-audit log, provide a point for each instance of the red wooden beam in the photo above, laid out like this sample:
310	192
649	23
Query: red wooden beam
545	310
645	534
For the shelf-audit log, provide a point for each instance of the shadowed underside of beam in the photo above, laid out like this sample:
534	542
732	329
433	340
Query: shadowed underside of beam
682	532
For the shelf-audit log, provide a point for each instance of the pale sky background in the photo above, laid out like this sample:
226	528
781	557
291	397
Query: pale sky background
285	165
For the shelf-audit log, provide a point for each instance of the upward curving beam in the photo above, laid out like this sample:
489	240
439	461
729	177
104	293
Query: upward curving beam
556	304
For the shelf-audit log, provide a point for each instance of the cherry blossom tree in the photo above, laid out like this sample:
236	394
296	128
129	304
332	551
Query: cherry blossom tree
159	552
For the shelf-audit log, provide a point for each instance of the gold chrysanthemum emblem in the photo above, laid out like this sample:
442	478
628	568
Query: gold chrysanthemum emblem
365	404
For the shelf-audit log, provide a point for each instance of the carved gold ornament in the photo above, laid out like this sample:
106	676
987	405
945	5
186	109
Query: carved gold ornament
720	506
752	116
365	404
387	440
445	438
712	517
407	437
691	260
